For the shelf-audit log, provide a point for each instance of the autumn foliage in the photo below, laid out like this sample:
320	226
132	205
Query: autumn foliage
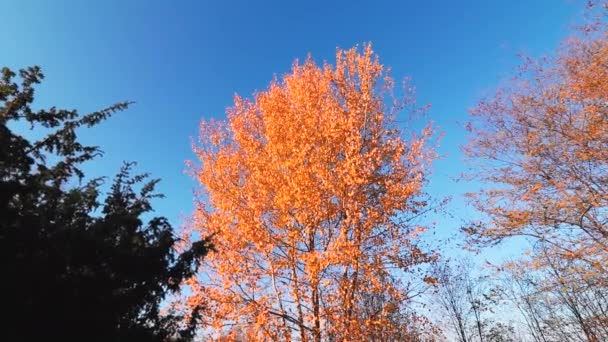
309	218
309	190
542	143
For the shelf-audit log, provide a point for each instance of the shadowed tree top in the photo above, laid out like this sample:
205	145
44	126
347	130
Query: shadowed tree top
76	266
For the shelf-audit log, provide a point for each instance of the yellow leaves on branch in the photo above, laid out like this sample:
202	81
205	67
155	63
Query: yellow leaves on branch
303	187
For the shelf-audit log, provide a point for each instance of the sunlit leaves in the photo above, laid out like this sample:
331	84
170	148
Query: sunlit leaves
542	146
307	188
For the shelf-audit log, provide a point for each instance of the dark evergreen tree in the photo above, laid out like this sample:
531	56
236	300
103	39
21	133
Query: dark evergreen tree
75	266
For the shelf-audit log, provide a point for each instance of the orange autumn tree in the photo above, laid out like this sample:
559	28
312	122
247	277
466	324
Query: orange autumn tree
543	143
310	191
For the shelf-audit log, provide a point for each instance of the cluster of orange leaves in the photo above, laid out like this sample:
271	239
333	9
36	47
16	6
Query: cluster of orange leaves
307	190
543	143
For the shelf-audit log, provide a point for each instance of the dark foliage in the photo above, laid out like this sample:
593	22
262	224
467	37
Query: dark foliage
74	266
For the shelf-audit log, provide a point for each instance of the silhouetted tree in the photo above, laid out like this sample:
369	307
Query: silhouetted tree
74	266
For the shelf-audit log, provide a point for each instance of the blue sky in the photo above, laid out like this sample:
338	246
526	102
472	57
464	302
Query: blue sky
182	61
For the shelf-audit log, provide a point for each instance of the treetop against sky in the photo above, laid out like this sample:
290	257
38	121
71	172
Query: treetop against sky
182	62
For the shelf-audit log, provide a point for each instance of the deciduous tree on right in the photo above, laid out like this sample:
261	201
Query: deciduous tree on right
540	146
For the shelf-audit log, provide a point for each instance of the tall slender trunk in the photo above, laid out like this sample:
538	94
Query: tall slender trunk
316	328
303	336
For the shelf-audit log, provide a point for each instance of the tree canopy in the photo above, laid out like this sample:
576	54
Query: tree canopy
76	266
310	190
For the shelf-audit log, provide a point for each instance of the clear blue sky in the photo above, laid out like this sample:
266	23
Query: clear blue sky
182	61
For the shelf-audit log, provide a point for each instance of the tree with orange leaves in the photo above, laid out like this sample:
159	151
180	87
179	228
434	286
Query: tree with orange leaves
543	146
310	191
